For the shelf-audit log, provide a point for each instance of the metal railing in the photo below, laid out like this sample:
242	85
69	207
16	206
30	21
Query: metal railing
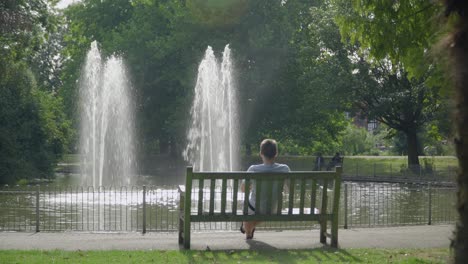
372	205
155	209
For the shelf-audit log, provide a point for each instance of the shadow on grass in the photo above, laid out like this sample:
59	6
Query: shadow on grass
263	252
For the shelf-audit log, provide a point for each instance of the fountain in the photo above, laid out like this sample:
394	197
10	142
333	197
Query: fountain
107	131
213	136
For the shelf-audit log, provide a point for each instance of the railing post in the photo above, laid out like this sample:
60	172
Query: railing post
429	221
374	169
181	214
345	206
187	206
37	209
144	209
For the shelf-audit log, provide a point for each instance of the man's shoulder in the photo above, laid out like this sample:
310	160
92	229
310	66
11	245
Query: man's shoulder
282	167
256	167
276	167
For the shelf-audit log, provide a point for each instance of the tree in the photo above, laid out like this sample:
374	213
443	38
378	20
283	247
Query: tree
34	132
293	93
387	94
358	141
398	80
456	42
163	42
401	31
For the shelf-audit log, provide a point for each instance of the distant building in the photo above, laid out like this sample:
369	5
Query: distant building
362	121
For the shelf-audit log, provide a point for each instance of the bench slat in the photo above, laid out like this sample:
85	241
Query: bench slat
330	175
291	196
246	196
234	196
269	194
200	196
258	186
302	196
238	218
324	197
212	195
280	198
223	196
313	195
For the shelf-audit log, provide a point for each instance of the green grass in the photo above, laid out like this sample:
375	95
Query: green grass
396	166
234	256
387	166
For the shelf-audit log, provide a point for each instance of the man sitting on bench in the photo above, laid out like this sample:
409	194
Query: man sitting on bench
268	153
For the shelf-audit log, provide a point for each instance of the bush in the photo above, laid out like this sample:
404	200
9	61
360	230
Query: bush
357	141
34	132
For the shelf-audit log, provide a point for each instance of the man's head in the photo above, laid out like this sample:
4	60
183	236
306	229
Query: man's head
269	149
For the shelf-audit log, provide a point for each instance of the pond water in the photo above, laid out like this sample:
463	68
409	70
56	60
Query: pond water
122	209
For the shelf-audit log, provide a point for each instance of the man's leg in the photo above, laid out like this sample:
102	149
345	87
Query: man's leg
250	227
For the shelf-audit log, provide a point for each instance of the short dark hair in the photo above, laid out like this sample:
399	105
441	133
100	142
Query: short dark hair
269	148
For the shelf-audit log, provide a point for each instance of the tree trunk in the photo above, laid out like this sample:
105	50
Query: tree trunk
457	44
413	154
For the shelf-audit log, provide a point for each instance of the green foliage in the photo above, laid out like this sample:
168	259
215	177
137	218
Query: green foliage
358	141
22	182
21	138
402	31
397	81
34	131
216	13
55	124
287	88
304	104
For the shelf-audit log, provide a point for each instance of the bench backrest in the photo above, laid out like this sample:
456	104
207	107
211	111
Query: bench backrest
306	191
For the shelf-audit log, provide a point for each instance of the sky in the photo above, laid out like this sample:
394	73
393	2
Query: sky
65	3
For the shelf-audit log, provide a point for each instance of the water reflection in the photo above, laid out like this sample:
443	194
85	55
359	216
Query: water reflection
386	204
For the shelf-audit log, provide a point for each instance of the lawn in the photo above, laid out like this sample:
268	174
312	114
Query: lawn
443	167
440	255
396	166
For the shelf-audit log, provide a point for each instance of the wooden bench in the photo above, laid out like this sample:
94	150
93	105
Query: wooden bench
306	190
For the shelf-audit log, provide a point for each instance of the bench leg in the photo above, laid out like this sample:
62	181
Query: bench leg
181	230
334	234
323	231
181	217
186	233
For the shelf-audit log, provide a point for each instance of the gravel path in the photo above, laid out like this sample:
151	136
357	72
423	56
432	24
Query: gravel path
390	237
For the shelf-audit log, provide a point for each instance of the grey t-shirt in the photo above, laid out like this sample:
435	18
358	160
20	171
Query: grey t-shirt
275	167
